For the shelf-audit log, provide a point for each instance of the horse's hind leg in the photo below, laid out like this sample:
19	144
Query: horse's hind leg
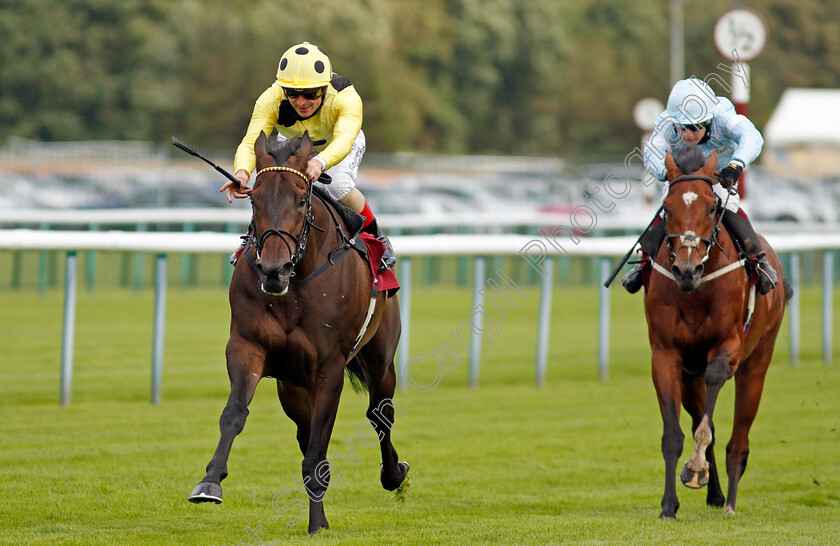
381	411
378	359
243	383
694	398
749	383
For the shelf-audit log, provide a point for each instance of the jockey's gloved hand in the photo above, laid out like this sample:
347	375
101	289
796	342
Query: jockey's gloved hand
729	174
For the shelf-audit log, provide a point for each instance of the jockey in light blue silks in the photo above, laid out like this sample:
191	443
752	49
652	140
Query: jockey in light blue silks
695	115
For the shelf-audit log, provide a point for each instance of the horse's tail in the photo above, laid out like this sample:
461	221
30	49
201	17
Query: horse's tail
788	289
356	375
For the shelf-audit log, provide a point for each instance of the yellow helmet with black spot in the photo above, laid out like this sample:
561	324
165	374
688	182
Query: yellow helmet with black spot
304	66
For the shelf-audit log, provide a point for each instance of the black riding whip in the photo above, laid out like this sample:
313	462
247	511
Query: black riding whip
192	151
323	179
627	256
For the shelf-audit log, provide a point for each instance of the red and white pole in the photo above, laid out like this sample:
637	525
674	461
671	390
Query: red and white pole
741	101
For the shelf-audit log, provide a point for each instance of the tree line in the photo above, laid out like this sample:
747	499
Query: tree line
533	77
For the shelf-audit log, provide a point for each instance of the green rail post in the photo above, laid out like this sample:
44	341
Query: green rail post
139	261
42	264
227	269
17	264
187	261
90	264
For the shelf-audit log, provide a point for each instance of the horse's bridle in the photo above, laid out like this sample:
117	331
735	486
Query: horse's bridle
690	240
308	222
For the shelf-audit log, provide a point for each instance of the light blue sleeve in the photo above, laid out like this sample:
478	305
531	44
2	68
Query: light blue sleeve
741	131
660	141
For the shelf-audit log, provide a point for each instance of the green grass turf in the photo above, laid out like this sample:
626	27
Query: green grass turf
576	461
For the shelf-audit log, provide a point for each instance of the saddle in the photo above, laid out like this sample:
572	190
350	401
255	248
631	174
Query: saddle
352	219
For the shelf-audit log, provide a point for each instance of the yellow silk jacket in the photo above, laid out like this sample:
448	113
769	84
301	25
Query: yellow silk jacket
333	128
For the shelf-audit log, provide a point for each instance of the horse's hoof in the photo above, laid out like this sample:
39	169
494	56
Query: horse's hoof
692	479
715	501
315	528
729	510
207	492
666	517
390	485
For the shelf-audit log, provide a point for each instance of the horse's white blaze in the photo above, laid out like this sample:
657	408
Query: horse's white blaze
689	197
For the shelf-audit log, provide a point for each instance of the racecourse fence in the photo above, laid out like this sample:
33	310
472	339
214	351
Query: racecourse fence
539	252
137	272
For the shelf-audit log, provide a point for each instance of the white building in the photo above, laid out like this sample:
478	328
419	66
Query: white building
802	137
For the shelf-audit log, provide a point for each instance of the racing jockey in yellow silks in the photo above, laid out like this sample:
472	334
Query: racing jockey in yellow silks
307	95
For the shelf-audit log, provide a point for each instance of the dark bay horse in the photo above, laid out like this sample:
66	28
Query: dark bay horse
702	331
300	318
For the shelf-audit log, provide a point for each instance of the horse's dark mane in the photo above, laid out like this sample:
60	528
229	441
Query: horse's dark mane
690	158
281	151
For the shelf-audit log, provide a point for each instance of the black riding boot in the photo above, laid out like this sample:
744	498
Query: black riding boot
389	259
649	241
747	239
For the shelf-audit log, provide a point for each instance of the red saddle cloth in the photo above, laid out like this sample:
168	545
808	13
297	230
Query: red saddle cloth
387	280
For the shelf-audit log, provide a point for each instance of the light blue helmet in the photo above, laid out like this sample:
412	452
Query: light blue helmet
691	101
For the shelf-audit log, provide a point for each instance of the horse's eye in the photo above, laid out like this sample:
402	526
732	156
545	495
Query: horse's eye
302	202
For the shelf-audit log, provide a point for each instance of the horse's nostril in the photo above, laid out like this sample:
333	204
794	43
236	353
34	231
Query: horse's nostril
675	270
698	270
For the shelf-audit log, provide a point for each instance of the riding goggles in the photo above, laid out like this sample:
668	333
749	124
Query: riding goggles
308	94
694	126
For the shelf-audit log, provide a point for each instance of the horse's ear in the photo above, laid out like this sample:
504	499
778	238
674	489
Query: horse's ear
259	145
305	145
709	168
671	166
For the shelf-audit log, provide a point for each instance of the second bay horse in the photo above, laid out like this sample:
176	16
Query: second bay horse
703	331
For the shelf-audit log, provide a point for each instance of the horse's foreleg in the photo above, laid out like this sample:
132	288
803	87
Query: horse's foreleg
666	381
695	474
242	387
748	387
298	406
694	400
316	469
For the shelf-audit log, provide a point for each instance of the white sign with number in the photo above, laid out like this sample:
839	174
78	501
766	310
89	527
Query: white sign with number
740	34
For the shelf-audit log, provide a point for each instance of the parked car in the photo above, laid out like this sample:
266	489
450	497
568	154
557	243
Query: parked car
773	199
